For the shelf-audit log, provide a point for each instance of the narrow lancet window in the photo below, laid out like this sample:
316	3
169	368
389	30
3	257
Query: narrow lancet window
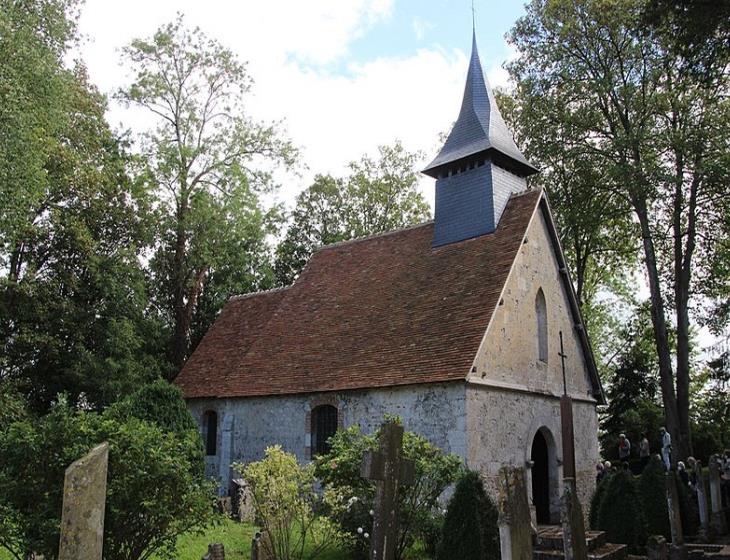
210	428
542	326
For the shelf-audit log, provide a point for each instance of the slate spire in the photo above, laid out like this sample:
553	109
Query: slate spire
479	166
480	129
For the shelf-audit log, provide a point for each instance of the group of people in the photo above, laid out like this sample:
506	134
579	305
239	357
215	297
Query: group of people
687	476
624	449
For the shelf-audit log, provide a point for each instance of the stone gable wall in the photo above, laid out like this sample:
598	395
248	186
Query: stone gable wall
509	354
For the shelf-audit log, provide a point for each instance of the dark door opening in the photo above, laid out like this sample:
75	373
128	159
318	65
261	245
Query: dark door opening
540	479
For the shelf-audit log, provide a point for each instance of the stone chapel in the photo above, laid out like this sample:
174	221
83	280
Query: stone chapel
453	325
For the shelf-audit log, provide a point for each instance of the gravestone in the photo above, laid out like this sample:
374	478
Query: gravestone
656	548
677	550
84	501
389	470
717	518
703	505
571	516
216	551
515	530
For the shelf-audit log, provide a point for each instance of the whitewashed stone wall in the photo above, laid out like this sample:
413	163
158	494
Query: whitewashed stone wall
501	426
512	394
247	426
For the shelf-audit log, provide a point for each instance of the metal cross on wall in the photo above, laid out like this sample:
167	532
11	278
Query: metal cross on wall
389	470
566	422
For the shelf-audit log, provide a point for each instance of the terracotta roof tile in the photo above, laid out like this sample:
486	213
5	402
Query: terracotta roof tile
381	311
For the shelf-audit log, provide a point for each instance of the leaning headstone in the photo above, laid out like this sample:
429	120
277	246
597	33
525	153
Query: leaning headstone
216	551
571	516
389	470
84	500
259	547
717	517
515	532
677	550
656	548
702	502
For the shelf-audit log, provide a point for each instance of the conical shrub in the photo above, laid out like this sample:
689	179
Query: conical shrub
470	529
652	490
621	514
596	500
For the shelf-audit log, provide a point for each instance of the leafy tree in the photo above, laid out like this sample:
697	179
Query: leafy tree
72	291
659	134
339	473
632	391
470	529
208	160
159	403
377	196
155	491
621	514
711	409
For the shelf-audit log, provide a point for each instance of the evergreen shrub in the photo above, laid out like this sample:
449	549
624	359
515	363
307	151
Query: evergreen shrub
470	529
621	514
596	500
652	491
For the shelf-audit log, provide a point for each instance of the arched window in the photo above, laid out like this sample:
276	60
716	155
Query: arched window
542	326
324	426
210	428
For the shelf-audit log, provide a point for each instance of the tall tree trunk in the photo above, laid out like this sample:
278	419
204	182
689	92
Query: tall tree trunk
181	327
659	322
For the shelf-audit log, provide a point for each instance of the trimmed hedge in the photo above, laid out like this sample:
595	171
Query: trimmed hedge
470	529
653	495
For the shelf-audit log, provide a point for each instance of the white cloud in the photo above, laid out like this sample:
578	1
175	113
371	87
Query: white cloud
290	46
421	27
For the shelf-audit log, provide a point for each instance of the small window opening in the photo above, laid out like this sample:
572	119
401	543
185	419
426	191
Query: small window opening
542	326
210	426
324	426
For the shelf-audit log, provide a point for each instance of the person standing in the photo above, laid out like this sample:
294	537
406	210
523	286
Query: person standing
624	448
666	448
644	451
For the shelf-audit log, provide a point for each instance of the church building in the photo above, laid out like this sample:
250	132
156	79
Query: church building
454	325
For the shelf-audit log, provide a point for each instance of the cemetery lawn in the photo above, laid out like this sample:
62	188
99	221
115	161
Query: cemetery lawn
236	538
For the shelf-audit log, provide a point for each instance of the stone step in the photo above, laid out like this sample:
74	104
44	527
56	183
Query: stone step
551	538
609	551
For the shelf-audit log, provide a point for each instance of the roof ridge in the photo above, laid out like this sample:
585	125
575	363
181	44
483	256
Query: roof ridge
373	236
259	293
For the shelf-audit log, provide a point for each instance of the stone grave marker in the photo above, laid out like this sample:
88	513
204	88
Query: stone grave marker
717	518
515	529
677	550
216	551
702	502
571	516
84	501
389	470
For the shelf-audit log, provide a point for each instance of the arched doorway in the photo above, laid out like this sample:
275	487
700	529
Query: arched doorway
540	457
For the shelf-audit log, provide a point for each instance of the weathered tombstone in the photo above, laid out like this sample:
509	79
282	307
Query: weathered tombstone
216	551
571	516
702	503
677	550
515	532
389	470
84	501
717	517
257	548
656	548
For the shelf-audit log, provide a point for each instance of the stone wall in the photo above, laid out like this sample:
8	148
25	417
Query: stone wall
509	353
247	426
512	393
501	426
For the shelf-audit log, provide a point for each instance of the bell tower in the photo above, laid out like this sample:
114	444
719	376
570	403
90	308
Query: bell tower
479	166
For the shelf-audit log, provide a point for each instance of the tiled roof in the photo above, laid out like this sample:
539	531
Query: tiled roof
479	127
381	311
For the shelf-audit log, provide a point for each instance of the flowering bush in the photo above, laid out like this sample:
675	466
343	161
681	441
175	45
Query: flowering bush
285	503
349	497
